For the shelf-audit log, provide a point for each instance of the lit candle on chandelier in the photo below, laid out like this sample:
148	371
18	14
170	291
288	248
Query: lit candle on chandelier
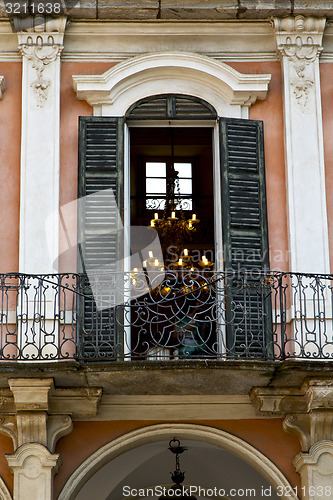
194	216
156	216
150	253
156	262
173	215
152	223
180	262
185	252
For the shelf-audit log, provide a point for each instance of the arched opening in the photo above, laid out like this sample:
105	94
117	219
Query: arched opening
146	470
144	450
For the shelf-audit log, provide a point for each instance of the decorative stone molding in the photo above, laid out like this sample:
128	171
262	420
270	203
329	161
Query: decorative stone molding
316	470
41	44
33	467
35	415
314	394
31	394
299	39
308	410
36	411
170	72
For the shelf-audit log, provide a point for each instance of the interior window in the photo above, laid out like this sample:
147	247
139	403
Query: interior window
156	184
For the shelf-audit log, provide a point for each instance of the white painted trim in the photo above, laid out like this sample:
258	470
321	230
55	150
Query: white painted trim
165	432
113	92
127	243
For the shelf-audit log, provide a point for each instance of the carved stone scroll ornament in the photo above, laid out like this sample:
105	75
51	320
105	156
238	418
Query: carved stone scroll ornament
41	42
41	55
299	39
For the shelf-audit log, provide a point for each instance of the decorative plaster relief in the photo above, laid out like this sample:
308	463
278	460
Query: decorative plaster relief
299	39
113	92
41	49
40	41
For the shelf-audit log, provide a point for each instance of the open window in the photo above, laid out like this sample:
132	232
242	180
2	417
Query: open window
239	207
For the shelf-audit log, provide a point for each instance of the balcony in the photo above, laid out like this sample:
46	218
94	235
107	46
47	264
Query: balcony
177	316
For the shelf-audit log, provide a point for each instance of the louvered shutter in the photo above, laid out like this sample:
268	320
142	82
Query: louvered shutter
100	169
245	236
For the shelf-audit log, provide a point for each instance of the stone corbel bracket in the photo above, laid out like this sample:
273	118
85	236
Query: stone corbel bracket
33	410
308	410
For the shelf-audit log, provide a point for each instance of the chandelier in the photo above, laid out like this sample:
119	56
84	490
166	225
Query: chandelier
175	230
178	490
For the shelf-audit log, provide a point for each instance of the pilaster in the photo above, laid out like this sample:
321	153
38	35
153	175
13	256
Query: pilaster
33	467
40	42
35	415
308	413
299	44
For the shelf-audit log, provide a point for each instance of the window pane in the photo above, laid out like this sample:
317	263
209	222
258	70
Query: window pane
185	186
184	169
155	169
157	186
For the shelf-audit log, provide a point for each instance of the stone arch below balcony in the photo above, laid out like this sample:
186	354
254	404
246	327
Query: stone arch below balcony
231	93
116	463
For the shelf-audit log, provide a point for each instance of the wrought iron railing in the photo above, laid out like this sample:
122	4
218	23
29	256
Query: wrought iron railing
168	316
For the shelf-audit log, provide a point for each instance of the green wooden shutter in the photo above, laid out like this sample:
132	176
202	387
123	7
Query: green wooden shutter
100	168
245	235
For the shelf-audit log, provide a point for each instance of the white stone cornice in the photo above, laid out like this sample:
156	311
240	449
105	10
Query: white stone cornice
175	72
